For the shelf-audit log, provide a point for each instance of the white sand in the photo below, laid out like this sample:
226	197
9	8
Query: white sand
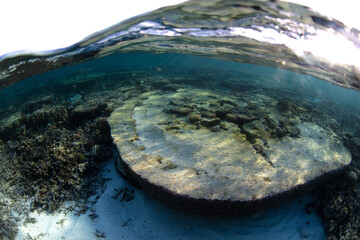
144	218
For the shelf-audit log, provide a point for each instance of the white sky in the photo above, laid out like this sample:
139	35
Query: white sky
38	25
346	11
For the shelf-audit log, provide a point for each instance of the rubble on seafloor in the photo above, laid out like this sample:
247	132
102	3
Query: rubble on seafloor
51	151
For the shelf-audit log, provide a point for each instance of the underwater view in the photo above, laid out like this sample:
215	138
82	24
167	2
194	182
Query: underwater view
203	120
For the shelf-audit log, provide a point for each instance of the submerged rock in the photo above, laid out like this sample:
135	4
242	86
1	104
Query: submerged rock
182	111
232	118
194	117
210	123
242	119
235	170
257	129
208	114
86	112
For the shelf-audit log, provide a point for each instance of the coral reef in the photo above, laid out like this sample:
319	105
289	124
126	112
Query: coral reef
52	162
49	156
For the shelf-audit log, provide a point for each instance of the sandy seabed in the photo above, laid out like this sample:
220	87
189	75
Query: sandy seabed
144	218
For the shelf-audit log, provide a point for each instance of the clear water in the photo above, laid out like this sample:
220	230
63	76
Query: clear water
249	48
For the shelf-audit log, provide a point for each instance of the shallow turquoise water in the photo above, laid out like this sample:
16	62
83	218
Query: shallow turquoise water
128	69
